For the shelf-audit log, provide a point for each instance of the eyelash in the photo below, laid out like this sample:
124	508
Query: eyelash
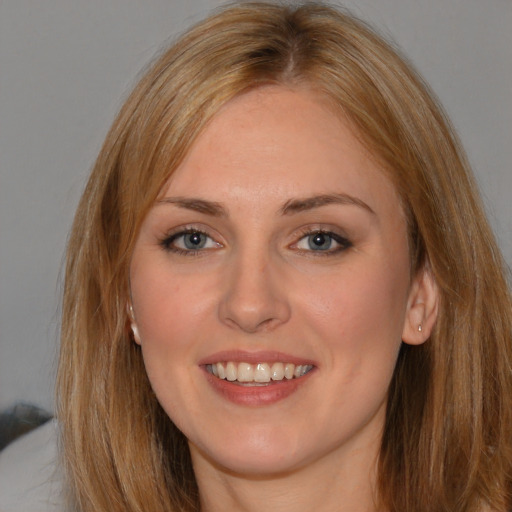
343	242
167	243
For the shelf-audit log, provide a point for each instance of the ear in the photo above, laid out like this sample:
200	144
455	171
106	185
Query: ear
422	306
133	325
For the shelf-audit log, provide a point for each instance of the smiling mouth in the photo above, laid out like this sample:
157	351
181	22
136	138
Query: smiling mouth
257	374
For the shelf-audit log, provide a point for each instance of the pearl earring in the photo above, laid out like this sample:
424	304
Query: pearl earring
135	331
420	328
133	325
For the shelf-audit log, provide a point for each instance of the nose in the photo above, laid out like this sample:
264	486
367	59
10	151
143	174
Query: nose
254	298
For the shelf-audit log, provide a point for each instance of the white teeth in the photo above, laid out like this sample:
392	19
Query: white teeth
260	373
245	372
231	372
277	371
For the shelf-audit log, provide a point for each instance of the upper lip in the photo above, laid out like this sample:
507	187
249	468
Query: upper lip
253	357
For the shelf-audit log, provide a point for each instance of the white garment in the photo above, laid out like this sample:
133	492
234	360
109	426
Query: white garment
30	480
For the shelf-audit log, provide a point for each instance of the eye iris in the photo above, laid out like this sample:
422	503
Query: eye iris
319	241
194	240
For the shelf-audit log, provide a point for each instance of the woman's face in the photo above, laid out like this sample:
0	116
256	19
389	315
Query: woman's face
271	289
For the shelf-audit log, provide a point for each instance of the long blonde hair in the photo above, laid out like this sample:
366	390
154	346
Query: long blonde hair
447	442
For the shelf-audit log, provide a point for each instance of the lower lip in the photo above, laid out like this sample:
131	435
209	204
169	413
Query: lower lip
255	396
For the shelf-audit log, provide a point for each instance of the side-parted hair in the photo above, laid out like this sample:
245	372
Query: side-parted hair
447	440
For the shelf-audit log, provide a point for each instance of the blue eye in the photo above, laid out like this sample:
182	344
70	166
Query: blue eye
194	240
320	242
323	242
189	242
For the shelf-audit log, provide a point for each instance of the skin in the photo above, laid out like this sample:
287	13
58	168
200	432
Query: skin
257	285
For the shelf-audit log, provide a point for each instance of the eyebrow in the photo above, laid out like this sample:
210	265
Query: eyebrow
310	203
198	205
291	207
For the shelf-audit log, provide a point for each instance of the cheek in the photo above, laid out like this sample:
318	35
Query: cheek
359	311
161	297
174	315
170	319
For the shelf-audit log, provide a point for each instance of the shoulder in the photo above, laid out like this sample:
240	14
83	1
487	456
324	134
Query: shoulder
30	480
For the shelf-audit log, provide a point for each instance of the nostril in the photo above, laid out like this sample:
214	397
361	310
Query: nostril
251	326
252	316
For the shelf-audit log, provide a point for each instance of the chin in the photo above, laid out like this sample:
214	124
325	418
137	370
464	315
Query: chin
252	454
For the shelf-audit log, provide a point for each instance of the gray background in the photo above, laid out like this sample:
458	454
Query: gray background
65	65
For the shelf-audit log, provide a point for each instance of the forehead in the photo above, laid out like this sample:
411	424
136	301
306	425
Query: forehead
275	142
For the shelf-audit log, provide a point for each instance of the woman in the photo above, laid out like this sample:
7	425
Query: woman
281	287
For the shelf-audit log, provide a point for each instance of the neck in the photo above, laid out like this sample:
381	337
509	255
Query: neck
349	488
